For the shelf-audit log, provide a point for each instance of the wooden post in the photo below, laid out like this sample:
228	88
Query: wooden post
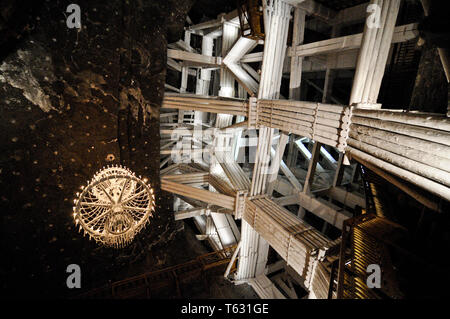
339	171
312	167
329	73
298	33
373	54
254	250
276	163
230	34
310	175
292	152
184	77
204	78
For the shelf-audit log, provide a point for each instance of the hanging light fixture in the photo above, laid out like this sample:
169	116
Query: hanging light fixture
114	206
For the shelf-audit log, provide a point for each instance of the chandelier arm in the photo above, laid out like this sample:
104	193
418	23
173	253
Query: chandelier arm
134	196
97	204
106	193
98	217
123	189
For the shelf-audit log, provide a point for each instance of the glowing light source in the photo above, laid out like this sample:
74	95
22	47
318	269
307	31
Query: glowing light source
114	206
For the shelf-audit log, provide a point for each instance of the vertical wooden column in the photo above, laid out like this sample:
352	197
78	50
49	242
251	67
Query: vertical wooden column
328	86
204	78
315	154
225	223
254	249
330	73
184	76
292	152
269	88
373	54
184	69
298	33
355	173
337	180
276	162
230	34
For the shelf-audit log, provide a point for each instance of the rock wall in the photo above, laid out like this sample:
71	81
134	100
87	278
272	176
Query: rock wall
71	102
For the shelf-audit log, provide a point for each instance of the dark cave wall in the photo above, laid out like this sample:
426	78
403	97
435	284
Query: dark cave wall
430	93
69	99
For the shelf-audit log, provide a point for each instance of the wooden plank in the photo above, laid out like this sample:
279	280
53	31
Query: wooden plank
316	9
297	62
199	194
401	34
287	200
194	57
184	214
433	187
328	212
276	161
312	167
350	199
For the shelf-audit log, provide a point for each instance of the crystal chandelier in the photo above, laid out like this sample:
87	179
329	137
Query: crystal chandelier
114	206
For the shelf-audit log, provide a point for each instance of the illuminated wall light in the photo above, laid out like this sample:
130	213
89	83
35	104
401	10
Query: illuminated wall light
114	206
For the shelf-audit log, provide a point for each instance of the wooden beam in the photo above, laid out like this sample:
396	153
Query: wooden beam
312	167
184	214
348	198
287	200
232	260
189	178
252	57
337	180
298	35
264	288
317	10
276	26
242	46
276	161
430	185
290	176
375	44
310	174
206	104
185	46
251	71
214	23
293	239
194	57
330	213
288	291
433	205
306	153
401	34
172	88
199	194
